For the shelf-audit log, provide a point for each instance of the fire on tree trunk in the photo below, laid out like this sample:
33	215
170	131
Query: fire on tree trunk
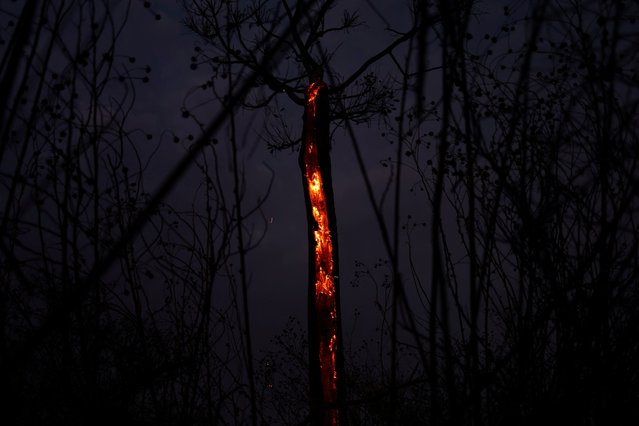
323	306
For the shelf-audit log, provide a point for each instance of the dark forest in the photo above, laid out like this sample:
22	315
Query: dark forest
319	212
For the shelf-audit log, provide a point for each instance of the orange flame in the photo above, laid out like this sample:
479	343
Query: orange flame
325	302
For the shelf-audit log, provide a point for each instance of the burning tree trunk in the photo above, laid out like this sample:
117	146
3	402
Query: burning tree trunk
323	291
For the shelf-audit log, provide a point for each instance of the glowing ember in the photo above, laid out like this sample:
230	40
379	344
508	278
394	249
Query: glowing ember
325	302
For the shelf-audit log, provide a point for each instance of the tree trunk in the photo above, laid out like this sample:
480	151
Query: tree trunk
324	324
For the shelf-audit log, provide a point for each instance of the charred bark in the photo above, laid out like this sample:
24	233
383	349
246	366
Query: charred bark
324	322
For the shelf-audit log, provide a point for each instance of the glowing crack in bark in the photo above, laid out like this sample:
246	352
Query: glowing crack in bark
325	297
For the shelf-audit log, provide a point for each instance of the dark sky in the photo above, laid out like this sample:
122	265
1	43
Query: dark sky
535	197
278	266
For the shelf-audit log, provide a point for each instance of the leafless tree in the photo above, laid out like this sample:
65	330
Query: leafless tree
114	304
231	37
515	134
525	147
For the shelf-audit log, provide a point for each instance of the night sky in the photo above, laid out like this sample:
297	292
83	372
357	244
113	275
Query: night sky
278	264
509	293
